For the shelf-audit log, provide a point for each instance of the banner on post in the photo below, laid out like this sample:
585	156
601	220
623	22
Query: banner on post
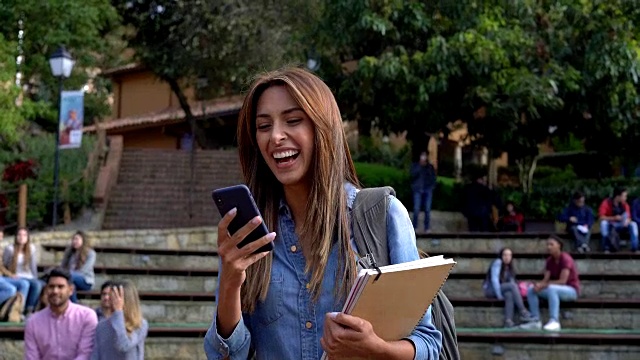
71	119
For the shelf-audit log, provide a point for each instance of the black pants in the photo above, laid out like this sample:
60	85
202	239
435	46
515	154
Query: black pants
578	237
479	223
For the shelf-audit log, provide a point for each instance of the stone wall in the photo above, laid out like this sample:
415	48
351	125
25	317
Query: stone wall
476	351
198	238
155	349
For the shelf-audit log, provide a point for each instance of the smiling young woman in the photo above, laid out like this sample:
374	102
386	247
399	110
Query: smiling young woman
296	161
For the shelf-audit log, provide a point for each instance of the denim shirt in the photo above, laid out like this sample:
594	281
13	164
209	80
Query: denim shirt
289	324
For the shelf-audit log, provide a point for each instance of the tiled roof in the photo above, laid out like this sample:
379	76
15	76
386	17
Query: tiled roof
172	115
122	69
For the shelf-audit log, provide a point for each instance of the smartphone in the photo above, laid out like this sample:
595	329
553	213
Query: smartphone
239	197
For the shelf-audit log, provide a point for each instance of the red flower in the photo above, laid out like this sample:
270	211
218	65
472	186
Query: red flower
19	171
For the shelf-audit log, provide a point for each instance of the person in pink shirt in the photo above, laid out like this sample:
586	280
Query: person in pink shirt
63	330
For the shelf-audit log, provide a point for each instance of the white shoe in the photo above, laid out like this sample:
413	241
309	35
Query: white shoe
552	325
531	325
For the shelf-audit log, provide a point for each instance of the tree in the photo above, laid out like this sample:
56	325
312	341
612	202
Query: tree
37	28
10	114
212	46
510	71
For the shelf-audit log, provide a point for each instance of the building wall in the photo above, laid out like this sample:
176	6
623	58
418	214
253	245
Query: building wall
141	93
149	138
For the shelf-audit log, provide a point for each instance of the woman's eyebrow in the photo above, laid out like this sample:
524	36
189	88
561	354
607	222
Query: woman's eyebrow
285	112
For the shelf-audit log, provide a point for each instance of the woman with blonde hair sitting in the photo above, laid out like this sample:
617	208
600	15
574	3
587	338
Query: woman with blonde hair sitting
122	335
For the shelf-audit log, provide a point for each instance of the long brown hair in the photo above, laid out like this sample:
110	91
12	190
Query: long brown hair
83	252
26	250
326	220
132	311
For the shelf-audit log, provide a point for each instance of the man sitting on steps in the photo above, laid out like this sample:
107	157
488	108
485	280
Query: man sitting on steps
615	214
63	330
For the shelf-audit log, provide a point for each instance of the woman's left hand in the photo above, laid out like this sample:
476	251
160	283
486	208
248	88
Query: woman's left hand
350	336
117	298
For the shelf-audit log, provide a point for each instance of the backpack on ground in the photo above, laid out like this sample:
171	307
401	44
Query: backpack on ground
11	309
369	221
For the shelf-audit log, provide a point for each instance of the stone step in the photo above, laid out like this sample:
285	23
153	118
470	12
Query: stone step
155	348
162	311
585	266
576	318
472	345
532	351
195	238
435	246
142	260
590	288
164	282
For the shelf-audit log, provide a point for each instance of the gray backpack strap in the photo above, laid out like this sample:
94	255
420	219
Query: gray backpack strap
369	224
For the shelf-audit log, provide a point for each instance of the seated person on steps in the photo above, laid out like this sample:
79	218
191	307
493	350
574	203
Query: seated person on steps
615	214
560	283
501	283
579	219
512	220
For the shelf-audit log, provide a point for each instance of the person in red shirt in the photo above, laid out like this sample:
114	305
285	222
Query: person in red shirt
560	283
615	213
512	220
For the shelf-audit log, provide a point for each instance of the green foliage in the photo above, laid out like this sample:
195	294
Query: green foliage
373	150
211	45
446	194
40	190
10	115
510	70
548	199
553	175
375	175
84	27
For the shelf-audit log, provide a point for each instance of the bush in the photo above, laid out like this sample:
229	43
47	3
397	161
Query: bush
548	198
375	175
41	149
374	151
446	195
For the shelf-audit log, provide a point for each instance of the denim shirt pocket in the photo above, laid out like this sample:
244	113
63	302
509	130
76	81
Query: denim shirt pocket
271	309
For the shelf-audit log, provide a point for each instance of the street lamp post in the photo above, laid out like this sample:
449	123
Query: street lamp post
61	64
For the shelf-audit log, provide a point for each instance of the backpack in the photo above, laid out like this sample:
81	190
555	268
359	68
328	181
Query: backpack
11	309
369	221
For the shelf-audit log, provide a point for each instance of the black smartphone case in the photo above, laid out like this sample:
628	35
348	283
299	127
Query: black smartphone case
240	197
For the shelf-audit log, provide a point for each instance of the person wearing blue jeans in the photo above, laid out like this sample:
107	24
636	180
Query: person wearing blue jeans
615	213
80	284
20	259
21	286
6	290
560	283
423	181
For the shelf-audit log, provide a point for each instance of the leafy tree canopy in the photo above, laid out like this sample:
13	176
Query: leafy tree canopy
510	70
86	28
211	45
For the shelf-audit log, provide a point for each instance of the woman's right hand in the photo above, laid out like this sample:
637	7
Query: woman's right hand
233	260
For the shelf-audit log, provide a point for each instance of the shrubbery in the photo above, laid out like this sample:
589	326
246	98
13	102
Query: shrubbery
446	195
40	150
551	192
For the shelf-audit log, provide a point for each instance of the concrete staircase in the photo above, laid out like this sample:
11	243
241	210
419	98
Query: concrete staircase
152	191
176	273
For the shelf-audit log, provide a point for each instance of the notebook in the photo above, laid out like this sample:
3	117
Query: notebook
395	300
